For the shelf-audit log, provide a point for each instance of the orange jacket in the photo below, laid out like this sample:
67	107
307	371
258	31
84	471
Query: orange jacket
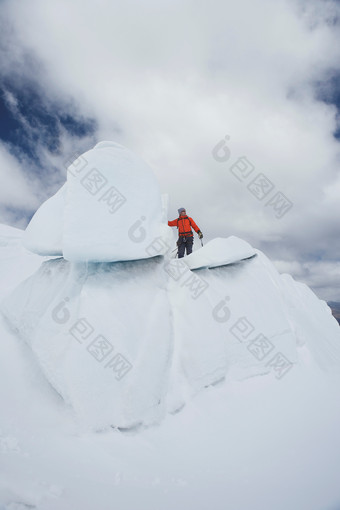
184	224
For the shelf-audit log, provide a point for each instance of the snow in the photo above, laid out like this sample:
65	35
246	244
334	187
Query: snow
278	439
74	339
132	380
21	262
109	209
125	343
44	233
219	252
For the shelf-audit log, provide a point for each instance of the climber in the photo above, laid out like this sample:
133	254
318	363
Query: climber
185	235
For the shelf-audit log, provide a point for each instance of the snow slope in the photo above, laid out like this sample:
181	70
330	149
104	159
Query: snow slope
258	442
15	258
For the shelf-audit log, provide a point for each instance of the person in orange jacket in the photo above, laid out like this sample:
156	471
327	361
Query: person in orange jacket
185	235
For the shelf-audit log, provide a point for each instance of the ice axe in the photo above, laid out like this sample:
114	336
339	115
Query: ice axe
175	250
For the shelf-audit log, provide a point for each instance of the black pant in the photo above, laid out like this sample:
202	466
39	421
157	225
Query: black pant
184	243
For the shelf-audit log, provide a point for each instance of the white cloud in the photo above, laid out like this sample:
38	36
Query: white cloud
16	189
169	79
17	193
322	277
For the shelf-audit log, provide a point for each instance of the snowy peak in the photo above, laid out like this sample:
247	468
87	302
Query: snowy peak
124	332
126	342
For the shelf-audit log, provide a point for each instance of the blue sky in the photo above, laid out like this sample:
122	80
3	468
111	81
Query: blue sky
170	80
45	120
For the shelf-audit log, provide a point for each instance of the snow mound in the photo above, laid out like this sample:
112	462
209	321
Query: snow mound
109	209
23	263
126	342
7	233
219	252
44	233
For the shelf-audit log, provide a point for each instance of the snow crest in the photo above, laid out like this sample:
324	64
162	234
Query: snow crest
125	343
109	209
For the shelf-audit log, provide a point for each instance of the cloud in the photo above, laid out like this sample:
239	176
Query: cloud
323	277
171	79
17	195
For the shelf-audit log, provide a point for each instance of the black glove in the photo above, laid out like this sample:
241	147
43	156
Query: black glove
200	235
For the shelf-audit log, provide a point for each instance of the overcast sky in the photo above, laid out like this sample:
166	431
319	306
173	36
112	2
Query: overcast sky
170	80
